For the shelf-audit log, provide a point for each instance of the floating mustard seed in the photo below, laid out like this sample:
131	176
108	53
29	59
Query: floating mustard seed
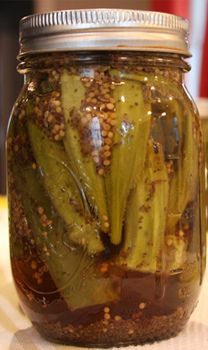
40	210
106	162
56	137
58	109
106	147
142	306
108	141
62	133
107	97
102	106
181	233
34	166
101	171
106	224
91	94
169	242
131	331
110	106
104	91
50	117
107	154
56	127
104	267
106	309
110	134
107	316
106	127
33	265
118	318
39	281
105	217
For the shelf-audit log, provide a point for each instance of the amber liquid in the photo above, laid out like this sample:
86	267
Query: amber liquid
145	300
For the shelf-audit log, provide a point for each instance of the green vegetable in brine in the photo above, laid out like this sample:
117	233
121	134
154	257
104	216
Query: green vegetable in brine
75	273
165	95
66	195
133	115
183	185
83	166
144	231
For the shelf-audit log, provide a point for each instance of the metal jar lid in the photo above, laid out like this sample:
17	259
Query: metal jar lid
103	29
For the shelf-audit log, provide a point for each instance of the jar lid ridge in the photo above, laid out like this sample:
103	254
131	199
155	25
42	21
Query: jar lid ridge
103	29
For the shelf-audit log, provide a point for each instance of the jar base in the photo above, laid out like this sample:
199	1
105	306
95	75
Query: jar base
116	333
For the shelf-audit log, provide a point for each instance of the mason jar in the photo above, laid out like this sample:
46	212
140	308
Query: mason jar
202	104
105	178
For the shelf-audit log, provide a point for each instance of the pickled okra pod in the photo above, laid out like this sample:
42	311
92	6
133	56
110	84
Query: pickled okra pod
64	191
183	177
183	183
146	215
129	150
72	95
66	264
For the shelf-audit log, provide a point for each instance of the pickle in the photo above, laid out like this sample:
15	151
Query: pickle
64	191
183	184
75	274
144	233
183	181
128	154
72	94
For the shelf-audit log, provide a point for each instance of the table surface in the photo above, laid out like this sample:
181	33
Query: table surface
17	333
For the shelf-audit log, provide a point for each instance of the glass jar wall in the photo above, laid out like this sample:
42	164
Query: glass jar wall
105	197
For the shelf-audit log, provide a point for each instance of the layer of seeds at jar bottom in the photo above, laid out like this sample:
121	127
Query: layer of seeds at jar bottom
149	308
104	205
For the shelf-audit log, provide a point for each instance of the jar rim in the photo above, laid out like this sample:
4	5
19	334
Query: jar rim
103	29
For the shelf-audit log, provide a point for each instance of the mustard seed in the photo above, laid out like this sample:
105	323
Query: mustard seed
106	309
110	106
142	306
107	316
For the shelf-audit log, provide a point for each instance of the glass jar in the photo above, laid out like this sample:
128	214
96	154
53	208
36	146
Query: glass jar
105	188
202	104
